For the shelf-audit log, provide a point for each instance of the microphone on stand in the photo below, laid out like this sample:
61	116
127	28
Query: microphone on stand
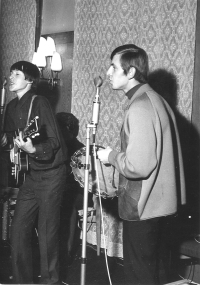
3	137
96	103
95	119
98	81
3	95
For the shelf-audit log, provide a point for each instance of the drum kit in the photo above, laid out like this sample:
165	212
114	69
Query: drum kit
108	176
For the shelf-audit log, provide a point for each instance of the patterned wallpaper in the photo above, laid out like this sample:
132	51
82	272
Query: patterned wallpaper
17	34
164	28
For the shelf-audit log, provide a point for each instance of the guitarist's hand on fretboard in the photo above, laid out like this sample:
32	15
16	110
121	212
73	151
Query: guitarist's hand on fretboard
25	145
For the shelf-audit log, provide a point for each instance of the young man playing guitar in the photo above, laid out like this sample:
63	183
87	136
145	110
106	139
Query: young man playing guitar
41	192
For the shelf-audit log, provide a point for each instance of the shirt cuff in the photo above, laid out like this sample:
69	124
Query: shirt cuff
112	157
39	152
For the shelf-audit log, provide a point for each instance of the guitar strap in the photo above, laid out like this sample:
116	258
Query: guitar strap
30	109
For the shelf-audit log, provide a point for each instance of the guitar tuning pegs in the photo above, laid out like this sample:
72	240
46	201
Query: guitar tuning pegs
35	135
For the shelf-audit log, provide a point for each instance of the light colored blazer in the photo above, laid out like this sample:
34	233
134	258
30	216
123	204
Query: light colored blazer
151	182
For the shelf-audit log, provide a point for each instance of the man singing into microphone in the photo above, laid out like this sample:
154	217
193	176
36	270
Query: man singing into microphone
151	182
40	194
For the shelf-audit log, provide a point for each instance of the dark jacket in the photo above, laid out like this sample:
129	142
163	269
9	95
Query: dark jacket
51	150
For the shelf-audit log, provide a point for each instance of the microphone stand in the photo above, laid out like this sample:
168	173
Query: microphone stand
93	125
2	107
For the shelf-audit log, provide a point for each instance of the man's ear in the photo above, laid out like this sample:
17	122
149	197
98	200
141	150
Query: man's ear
131	72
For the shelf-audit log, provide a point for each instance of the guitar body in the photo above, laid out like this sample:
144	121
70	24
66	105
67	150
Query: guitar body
23	161
20	158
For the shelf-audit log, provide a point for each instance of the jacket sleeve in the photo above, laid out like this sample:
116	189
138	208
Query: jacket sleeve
138	138
47	143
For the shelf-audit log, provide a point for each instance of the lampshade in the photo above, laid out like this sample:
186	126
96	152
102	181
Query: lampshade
40	59
39	56
50	47
56	64
42	45
34	60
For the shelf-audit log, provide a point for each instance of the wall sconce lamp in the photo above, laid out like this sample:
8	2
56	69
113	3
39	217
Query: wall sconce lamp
47	58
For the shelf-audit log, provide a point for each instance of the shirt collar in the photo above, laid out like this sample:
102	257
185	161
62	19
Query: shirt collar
25	97
132	91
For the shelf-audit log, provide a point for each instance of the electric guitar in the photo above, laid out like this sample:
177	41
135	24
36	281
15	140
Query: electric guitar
20	158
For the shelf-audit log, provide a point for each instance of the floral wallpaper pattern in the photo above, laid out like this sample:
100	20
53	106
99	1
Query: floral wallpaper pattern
166	30
17	34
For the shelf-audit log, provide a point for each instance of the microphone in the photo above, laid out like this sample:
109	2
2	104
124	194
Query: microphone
98	81
3	95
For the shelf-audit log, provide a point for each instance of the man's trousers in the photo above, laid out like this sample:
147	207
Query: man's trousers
40	195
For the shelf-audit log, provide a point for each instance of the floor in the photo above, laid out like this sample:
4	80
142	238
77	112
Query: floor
95	270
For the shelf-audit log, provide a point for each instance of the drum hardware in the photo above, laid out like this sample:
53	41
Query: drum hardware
108	175
77	164
91	218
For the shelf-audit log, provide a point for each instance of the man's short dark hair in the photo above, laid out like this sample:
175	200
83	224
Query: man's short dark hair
133	56
30	70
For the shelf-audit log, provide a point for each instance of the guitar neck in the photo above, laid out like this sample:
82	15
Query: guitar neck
16	148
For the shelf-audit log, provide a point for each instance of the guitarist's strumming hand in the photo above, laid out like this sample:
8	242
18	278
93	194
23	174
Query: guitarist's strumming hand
26	146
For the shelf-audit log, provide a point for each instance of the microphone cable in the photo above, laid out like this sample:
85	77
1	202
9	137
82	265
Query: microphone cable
99	196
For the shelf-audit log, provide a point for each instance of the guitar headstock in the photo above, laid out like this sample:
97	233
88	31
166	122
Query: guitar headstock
31	130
